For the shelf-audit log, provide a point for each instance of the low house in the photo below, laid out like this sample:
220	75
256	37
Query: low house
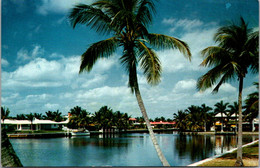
36	124
163	124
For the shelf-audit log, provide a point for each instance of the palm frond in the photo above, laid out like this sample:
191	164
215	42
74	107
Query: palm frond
214	55
94	17
145	11
210	78
161	41
97	50
150	63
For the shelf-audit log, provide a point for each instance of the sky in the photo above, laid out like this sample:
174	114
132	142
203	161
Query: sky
40	59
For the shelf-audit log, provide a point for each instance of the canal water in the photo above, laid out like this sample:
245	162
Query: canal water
134	149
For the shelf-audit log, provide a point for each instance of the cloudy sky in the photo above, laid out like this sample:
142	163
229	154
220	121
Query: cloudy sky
41	56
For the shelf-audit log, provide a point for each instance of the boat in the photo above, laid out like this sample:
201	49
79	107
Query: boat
78	132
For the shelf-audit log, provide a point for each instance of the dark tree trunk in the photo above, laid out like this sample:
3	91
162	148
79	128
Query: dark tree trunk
8	155
239	161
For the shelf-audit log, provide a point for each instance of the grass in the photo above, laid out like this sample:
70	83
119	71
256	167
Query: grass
250	158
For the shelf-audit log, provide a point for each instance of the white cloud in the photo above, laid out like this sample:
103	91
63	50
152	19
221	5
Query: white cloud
51	106
168	21
25	55
4	62
58	6
173	60
185	85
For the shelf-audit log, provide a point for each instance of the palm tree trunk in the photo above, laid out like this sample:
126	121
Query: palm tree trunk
8	155
239	161
154	140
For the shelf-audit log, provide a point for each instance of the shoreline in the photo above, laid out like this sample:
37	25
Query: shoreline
59	134
220	155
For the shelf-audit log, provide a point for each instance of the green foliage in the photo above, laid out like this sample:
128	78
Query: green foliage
127	22
237	51
4	113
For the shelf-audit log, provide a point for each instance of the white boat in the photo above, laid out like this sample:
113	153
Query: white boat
80	132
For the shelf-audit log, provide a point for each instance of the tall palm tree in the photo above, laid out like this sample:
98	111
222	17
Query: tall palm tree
4	113
221	108
128	22
236	53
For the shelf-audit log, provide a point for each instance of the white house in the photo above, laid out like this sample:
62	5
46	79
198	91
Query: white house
37	124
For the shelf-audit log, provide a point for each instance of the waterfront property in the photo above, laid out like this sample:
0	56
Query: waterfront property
229	123
20	125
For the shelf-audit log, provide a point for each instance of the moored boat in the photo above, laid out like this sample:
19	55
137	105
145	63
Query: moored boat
80	132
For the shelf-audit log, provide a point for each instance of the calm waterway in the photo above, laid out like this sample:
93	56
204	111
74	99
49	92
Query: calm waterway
122	150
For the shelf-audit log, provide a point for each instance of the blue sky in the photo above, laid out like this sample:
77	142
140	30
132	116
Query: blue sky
41	56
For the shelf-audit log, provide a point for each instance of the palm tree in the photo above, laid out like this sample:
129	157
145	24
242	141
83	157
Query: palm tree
195	118
236	53
221	108
31	118
20	117
76	111
128	21
233	109
206	115
38	116
4	113
181	120
251	105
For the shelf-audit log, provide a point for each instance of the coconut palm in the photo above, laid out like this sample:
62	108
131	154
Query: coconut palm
128	22
251	105
181	120
206	115
233	109
236	53
221	108
4	113
20	117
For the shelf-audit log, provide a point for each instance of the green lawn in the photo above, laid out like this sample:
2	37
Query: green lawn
250	158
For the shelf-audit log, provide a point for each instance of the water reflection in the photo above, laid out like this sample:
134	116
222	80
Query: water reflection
122	150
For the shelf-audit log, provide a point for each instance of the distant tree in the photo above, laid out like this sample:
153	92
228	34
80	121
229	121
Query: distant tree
181	120
31	118
38	116
4	113
20	117
251	105
195	118
233	109
207	116
221	108
76	110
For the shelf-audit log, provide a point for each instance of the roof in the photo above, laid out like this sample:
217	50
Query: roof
161	122
35	121
132	119
219	115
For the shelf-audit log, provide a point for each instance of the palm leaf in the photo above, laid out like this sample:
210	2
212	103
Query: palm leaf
150	63
161	41
94	17
101	49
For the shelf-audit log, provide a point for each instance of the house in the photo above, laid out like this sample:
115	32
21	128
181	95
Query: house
37	124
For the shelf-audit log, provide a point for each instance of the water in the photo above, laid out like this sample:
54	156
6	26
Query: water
122	150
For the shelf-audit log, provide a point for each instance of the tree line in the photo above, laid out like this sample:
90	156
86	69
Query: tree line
198	118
